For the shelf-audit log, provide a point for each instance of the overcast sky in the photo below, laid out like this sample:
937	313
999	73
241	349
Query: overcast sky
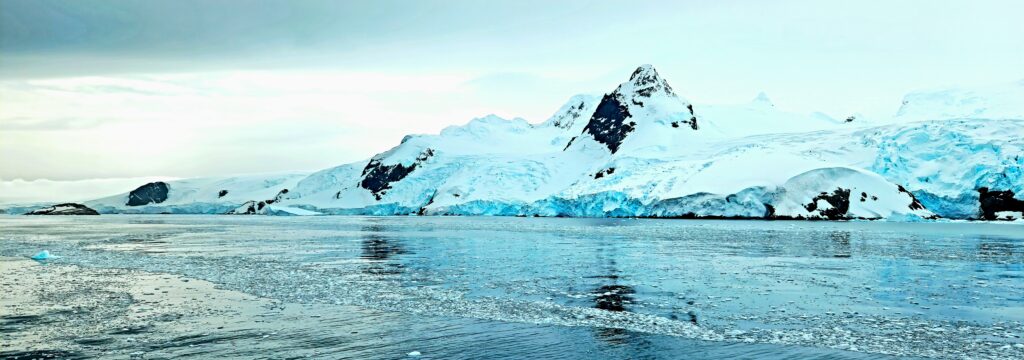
110	89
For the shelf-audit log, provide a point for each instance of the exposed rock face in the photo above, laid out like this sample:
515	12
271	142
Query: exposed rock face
254	207
280	196
645	96
693	119
602	173
994	201
646	82
574	111
378	177
222	193
152	193
839	201
250	207
64	209
914	204
608	125
570	143
423	209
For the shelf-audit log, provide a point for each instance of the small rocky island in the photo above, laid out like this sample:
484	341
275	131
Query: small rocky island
64	209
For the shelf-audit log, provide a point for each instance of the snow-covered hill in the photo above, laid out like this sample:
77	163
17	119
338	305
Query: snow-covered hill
1003	101
199	196
643	150
761	117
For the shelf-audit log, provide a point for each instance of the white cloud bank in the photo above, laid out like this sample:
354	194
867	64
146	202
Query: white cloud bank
42	190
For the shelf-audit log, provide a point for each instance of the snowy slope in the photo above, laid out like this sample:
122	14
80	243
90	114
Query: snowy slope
1003	101
204	195
760	116
644	150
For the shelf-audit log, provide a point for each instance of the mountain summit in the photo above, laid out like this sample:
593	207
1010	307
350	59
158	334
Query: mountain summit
645	82
645	103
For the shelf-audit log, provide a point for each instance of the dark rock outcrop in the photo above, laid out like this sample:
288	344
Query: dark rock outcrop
612	121
254	207
64	209
994	201
152	193
277	198
839	199
693	117
608	124
648	83
378	177
423	209
222	193
914	204
569	144
569	118
250	207
602	173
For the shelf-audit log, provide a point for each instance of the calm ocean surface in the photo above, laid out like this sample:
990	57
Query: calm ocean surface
464	287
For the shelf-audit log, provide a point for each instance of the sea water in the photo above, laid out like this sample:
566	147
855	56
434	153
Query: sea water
497	287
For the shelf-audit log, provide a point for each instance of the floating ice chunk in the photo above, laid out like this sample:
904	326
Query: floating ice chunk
44	255
415	353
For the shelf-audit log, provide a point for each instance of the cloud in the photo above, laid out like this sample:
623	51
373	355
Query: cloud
218	123
51	124
121	88
44	190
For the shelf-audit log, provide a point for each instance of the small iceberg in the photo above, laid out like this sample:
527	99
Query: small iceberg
44	255
415	354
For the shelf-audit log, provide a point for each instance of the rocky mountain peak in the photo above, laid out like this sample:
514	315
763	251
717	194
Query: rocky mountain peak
644	101
645	82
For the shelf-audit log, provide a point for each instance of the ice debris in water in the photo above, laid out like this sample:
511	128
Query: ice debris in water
415	353
44	255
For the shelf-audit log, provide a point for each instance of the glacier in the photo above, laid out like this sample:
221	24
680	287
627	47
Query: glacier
642	150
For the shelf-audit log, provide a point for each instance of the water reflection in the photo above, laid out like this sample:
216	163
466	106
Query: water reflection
609	294
613	297
734	275
379	249
995	251
840	244
146	221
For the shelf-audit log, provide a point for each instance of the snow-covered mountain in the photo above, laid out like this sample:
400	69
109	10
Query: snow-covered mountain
643	150
1002	101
